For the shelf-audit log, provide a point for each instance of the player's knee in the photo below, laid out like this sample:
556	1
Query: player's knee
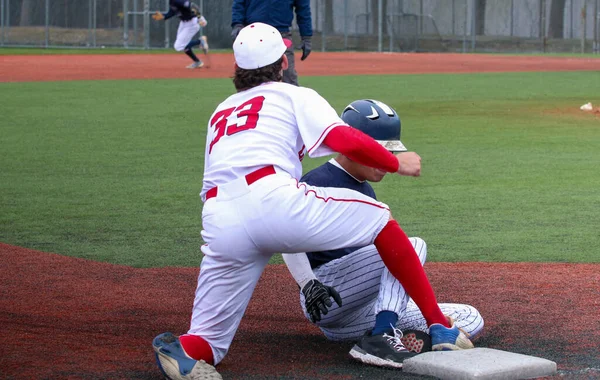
420	247
179	47
477	322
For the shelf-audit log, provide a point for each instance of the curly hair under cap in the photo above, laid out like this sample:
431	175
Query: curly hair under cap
246	79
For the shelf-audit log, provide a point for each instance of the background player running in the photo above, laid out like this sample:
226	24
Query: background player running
190	22
374	309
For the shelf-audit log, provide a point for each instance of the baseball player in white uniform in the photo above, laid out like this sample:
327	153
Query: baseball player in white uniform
372	306
255	206
190	23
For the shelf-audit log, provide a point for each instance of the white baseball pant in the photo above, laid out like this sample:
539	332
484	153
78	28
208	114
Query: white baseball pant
244	225
367	287
185	32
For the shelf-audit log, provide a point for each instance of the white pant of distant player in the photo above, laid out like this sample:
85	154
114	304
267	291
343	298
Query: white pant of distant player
185	32
244	225
367	287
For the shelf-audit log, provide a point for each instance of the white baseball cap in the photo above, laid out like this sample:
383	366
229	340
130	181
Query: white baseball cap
258	45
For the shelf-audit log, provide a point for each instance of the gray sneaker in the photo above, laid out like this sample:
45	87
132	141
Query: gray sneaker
384	350
195	65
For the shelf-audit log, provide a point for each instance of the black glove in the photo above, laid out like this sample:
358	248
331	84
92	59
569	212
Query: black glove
306	47
317	299
235	31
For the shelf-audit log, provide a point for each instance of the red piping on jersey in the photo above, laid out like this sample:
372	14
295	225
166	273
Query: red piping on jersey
299	184
361	148
323	136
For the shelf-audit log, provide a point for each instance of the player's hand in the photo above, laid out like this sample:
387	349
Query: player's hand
410	164
235	31
158	16
202	21
317	299
306	47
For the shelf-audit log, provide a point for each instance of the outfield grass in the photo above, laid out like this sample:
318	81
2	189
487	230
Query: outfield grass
111	170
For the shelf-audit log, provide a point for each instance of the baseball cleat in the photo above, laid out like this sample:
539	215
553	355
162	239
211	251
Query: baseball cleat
448	338
384	350
175	364
195	65
416	341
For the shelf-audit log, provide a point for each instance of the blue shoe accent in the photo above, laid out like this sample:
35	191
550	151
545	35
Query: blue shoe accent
448	338
168	345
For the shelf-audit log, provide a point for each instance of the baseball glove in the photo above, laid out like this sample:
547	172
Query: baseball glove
158	16
317	299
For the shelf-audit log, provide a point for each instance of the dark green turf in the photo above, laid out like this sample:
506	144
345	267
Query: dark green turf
111	170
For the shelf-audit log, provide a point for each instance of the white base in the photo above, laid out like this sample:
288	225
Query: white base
479	363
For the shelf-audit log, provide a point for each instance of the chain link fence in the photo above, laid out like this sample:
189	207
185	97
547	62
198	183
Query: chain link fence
339	25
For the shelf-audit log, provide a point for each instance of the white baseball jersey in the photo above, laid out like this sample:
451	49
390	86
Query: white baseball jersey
284	121
245	224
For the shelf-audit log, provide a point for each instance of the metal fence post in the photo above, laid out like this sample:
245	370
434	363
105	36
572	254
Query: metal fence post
125	24
89	42
543	24
323	22
2	22
47	22
135	21
380	26
583	25
146	24
512	16
473	22
345	24
94	23
167	36
596	21
453	17
464	49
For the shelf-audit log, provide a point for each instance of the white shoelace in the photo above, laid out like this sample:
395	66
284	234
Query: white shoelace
395	341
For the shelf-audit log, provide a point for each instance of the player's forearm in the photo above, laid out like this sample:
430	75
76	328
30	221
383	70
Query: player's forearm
299	267
169	14
361	148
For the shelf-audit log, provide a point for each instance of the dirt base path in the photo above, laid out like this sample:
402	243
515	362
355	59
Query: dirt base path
71	318
150	66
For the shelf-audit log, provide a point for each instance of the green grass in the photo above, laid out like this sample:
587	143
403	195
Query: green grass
111	170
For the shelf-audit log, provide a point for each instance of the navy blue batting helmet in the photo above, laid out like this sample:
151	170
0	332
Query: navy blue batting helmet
377	120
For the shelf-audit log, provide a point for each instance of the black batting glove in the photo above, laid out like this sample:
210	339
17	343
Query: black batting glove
306	47
317	299
235	31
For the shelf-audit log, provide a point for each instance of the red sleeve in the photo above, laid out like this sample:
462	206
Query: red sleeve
361	148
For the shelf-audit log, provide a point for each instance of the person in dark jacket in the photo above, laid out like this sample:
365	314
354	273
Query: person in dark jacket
279	14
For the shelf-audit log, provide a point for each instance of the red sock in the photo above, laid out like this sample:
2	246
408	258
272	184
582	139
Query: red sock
197	348
402	261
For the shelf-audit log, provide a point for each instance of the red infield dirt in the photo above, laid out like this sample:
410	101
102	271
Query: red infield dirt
149	66
69	318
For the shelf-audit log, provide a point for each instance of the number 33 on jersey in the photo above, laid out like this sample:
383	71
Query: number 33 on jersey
279	118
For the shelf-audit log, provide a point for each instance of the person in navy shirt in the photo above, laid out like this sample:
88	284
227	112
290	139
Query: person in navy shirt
371	307
279	14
